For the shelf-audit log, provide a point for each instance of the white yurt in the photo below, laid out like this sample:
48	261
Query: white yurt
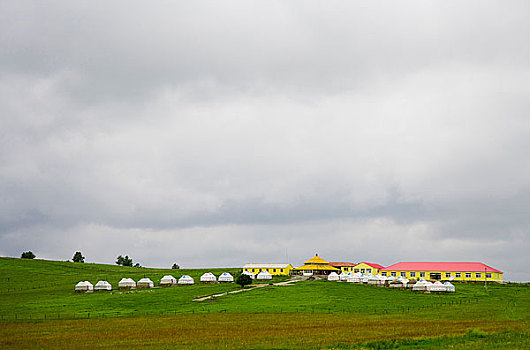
397	283
126	283
102	286
226	278
449	287
84	287
185	279
437	287
264	275
168	281
421	286
374	280
343	276
365	277
354	278
252	276
145	283
333	277
208	277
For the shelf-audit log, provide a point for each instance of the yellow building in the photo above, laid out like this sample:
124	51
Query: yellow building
343	266
452	271
316	266
273	269
368	268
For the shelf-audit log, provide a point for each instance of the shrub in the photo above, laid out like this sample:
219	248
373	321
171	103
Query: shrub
175	267
28	255
78	257
243	280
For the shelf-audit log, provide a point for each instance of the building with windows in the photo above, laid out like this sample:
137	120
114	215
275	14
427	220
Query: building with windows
316	266
368	268
457	271
343	266
273	269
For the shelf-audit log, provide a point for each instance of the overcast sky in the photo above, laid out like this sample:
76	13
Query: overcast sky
219	133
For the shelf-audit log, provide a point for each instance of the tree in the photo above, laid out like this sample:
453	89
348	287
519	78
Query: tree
243	280
137	265
28	255
78	257
175	267
124	261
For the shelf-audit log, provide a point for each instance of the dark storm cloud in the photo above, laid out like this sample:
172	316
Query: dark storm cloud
392	128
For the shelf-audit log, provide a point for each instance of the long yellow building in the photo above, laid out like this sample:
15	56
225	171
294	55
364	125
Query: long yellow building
273	269
453	271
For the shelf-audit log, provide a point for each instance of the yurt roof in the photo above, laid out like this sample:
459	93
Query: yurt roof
145	280
334	274
264	273
316	260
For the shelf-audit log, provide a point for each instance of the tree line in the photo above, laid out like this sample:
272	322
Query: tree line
79	258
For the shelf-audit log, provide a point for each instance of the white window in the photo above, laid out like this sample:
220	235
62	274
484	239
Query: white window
458	275
478	275
468	275
413	274
488	275
447	275
356	270
362	270
368	270
422	274
384	274
393	274
403	274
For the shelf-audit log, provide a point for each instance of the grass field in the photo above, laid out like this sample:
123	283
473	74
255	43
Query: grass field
38	309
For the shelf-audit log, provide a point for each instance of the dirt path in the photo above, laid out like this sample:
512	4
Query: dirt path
285	283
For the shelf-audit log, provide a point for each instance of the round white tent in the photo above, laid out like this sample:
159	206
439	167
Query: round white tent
185	279
375	280
252	276
102	286
168	281
208	277
354	278
84	287
421	286
343	276
365	277
145	283
127	283
333	277
449	287
264	275
226	278
437	287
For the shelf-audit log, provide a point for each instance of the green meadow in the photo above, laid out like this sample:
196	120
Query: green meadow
39	309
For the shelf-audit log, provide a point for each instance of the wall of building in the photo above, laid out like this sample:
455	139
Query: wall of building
273	271
457	276
365	268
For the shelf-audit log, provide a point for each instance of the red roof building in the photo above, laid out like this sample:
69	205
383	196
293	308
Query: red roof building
465	271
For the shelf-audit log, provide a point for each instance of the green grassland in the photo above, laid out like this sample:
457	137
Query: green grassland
38	308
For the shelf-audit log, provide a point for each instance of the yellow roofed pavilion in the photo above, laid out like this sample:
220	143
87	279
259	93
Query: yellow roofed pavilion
316	266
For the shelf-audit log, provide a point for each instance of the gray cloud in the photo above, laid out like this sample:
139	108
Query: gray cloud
244	130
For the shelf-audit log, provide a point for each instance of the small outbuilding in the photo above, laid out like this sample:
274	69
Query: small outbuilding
102	286
185	279
84	287
449	287
226	278
145	283
208	277
333	276
248	273
126	283
168	281
421	286
264	275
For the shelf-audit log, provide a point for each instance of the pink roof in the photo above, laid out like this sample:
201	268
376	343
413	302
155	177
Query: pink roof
375	266
441	266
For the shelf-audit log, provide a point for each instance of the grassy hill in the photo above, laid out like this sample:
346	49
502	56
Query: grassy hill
38	304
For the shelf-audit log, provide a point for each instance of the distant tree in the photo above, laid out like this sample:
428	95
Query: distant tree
243	280
137	265
175	267
124	261
28	255
78	257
